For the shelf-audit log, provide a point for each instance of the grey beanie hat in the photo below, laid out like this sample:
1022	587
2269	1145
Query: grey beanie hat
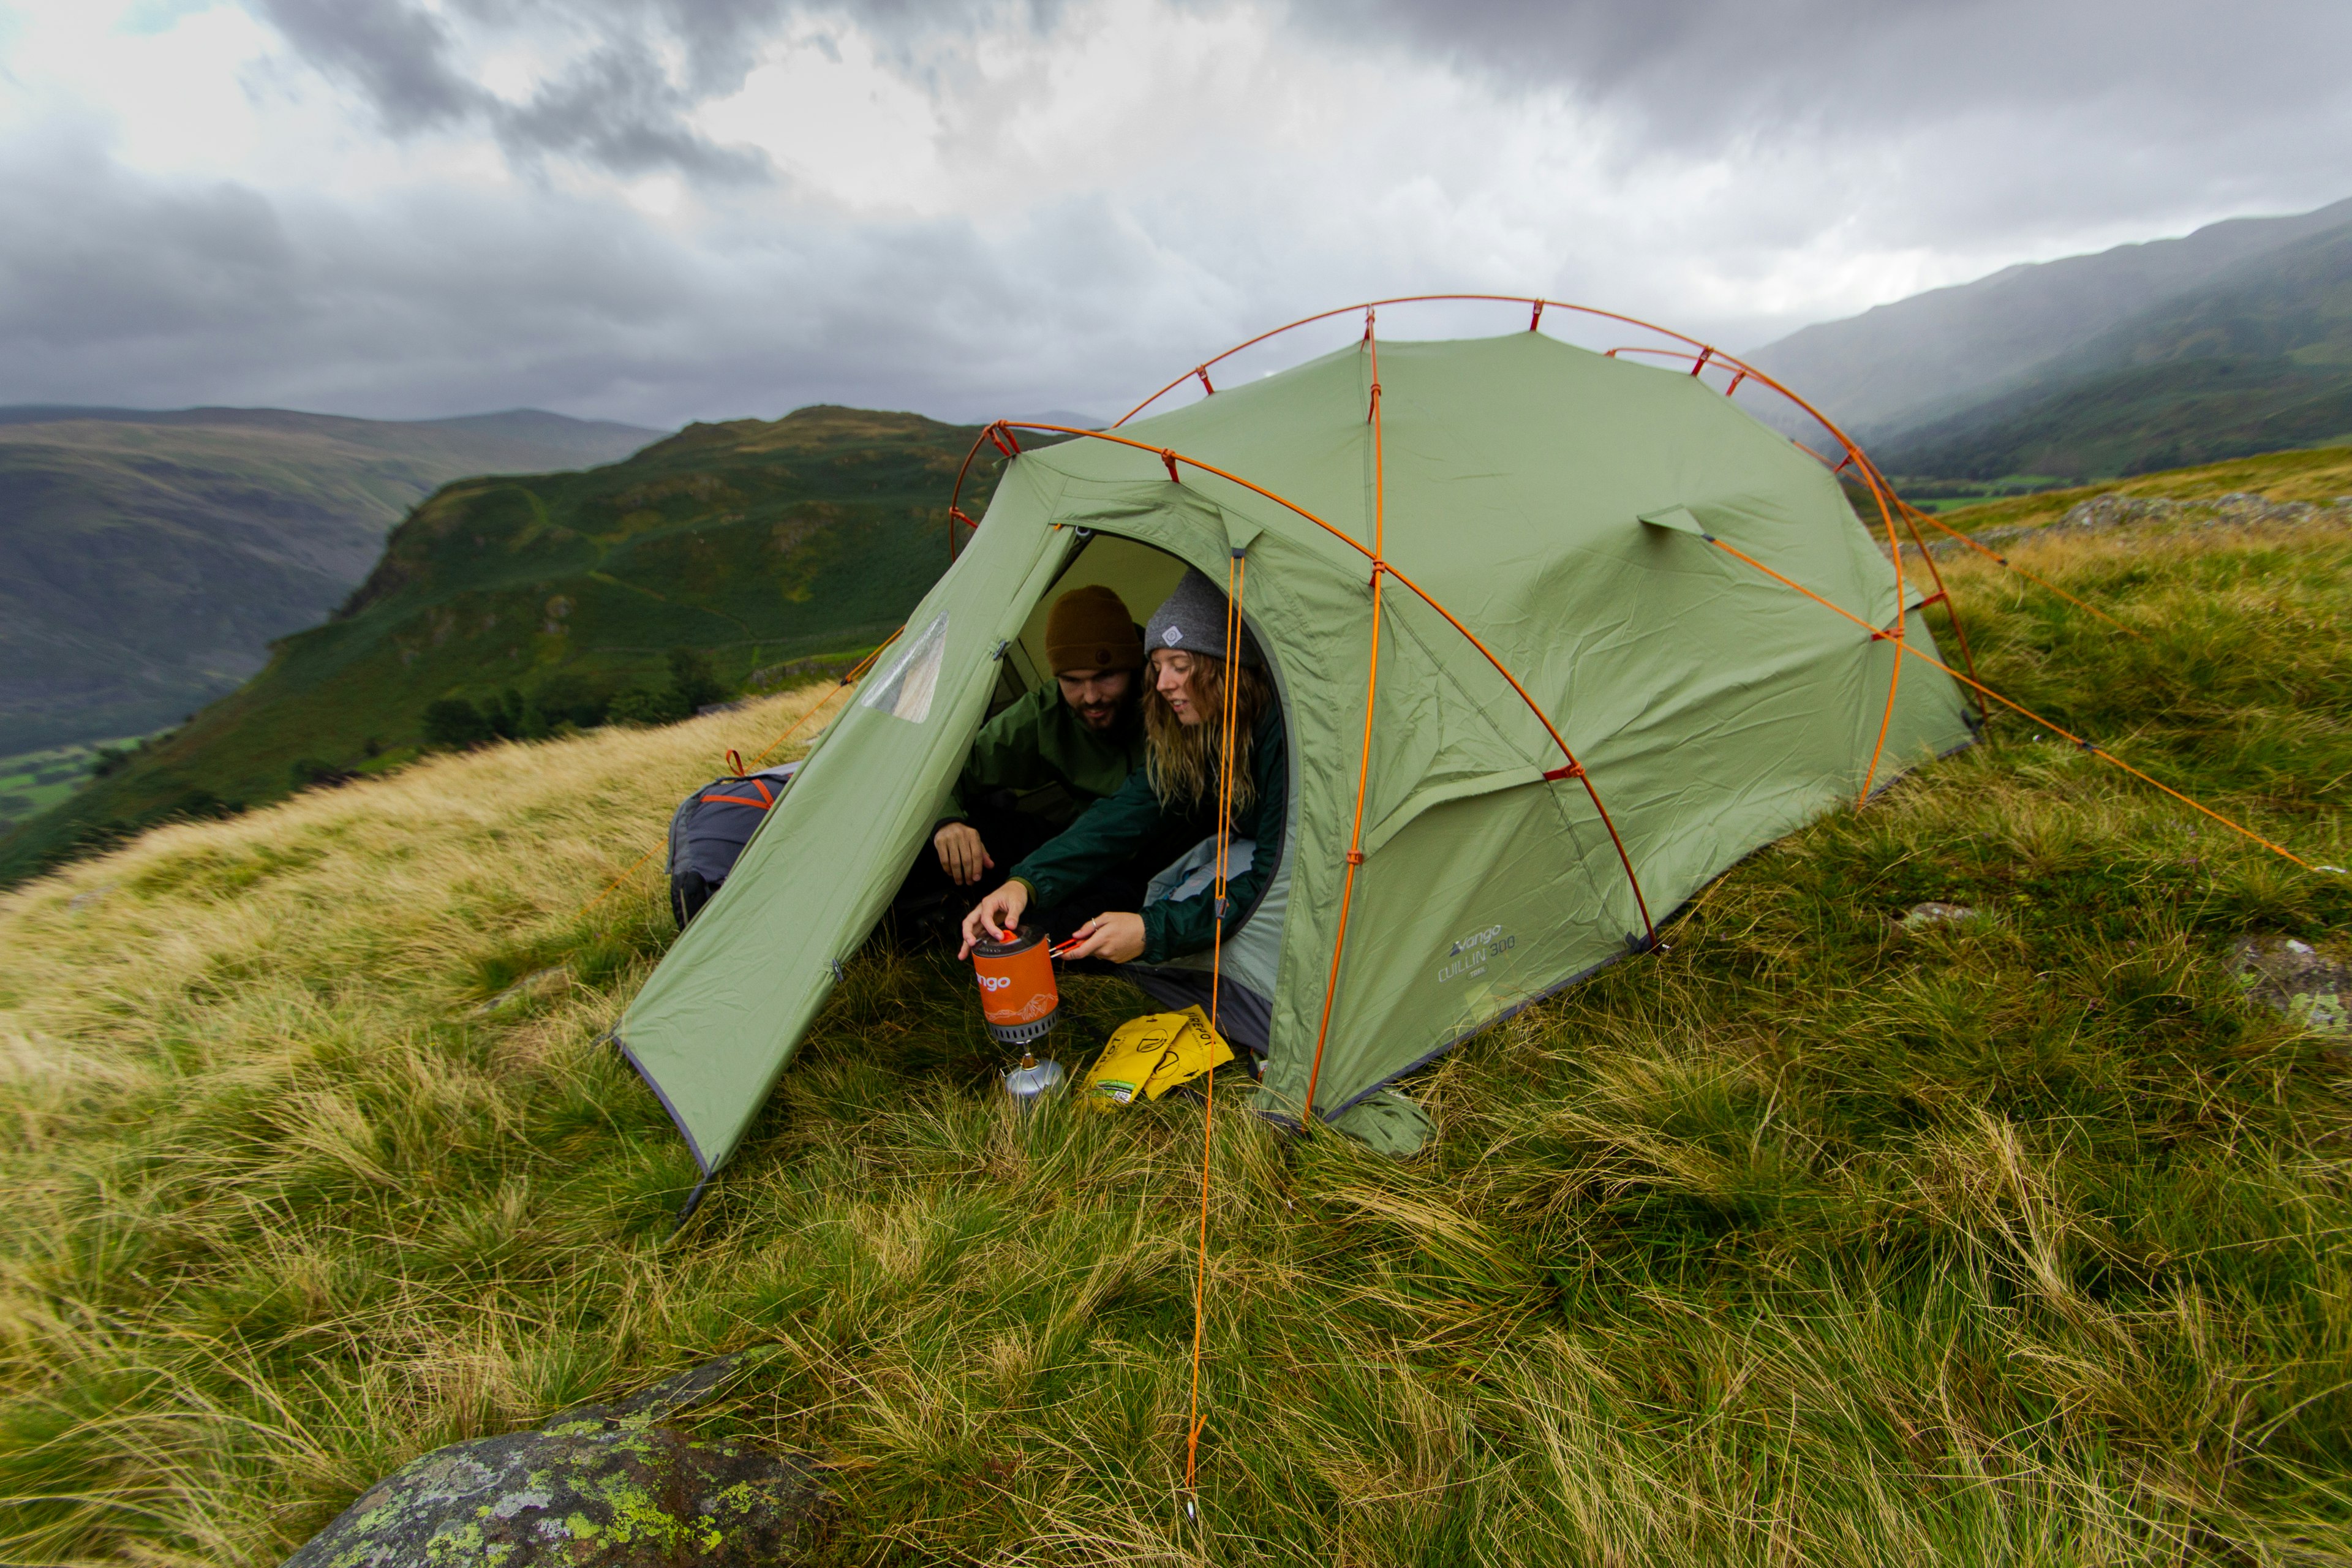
1192	620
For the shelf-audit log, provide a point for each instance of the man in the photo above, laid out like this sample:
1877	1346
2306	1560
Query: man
1040	763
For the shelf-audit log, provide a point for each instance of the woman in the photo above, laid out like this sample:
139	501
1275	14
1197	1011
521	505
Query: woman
1174	795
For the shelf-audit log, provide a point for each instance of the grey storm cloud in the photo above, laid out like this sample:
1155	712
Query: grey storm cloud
617	109
2046	110
1753	137
1722	64
396	54
145	293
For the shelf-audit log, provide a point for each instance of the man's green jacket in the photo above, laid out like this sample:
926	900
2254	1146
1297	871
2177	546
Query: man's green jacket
1112	831
1040	740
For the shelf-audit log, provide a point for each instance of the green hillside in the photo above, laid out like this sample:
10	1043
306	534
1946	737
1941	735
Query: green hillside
2259	361
147	559
1936	353
1823	1236
756	543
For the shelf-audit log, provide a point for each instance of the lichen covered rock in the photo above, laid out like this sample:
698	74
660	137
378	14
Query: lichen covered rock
2295	979
595	1488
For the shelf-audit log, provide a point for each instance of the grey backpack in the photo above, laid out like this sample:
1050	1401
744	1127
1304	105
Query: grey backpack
710	829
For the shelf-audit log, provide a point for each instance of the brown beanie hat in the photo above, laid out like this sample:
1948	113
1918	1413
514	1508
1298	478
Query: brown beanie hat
1089	628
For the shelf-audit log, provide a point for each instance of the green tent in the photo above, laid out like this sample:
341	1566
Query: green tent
1564	508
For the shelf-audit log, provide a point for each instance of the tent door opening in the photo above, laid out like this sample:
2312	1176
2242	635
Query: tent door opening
1143	575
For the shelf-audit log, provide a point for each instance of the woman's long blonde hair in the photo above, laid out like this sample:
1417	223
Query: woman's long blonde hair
1183	758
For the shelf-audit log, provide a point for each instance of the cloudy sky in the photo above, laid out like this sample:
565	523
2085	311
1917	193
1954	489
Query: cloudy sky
657	210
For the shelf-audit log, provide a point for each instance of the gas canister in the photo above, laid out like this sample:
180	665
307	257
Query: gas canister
1017	994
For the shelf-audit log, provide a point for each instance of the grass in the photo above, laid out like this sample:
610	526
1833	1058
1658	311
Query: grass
2020	1239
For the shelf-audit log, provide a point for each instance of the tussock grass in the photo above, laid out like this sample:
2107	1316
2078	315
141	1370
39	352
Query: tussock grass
2016	1240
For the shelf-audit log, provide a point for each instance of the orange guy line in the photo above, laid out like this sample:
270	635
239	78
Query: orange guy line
2096	751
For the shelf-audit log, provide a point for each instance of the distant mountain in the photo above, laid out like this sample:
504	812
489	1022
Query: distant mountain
2256	359
1934	353
147	558
757	542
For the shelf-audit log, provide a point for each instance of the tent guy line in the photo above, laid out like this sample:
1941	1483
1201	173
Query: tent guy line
2095	750
1236	570
1917	516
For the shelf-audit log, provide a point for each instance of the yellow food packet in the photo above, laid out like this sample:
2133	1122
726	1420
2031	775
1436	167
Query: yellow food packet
1153	1054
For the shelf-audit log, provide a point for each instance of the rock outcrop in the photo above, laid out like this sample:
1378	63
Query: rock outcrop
597	1487
2239	509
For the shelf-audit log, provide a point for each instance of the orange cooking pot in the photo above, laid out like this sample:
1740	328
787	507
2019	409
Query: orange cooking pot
1017	994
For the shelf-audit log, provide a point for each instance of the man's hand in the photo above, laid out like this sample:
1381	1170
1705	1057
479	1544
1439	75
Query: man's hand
998	913
962	853
1116	937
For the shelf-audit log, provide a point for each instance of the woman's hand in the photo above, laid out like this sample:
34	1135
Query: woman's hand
1116	937
998	913
962	856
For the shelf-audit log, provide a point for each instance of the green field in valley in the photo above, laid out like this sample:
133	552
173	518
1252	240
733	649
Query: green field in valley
33	782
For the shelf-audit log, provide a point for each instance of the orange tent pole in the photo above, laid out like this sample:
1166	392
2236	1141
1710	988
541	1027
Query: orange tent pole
1371	694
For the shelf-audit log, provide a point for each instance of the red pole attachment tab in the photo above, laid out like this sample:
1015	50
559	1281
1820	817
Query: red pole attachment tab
1735	384
735	762
1207	387
1611	354
1535	319
1005	441
1374	407
1699	364
1847	464
1169	458
957	514
1371	316
1573	771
